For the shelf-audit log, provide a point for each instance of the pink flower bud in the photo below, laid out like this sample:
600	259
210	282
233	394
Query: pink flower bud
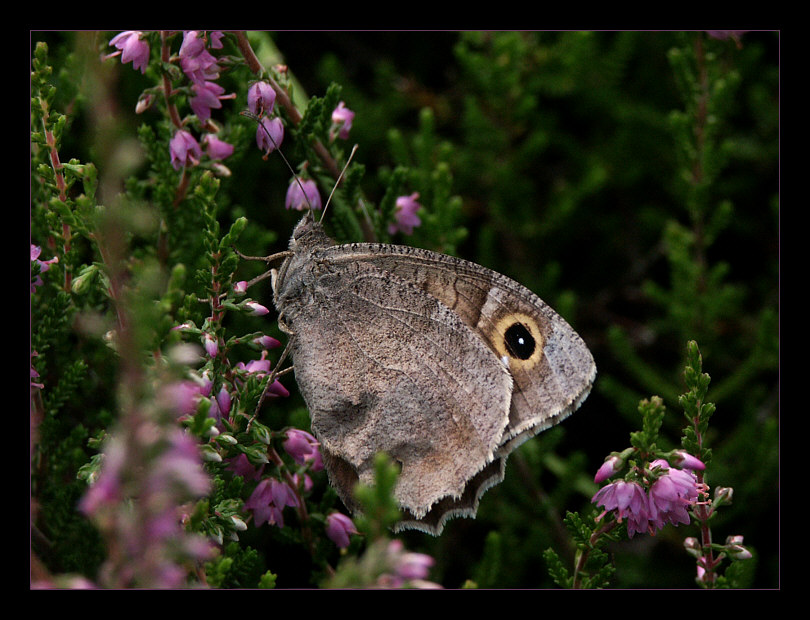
269	134
132	48
304	448
210	344
405	215
224	400
216	148
267	342
342	117
184	150
611	465
256	309
685	460
261	98
303	196
338	528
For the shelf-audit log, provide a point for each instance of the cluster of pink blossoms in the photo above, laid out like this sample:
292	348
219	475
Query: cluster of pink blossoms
666	500
202	69
407	568
154	538
269	499
261	101
271	496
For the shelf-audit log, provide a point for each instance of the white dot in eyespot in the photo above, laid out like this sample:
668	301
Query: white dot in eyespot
519	341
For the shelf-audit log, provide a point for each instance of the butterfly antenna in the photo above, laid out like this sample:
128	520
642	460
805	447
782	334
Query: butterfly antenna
335	186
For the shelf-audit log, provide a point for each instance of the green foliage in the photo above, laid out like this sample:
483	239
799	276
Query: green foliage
739	574
491	564
652	415
379	510
593	566
697	411
238	567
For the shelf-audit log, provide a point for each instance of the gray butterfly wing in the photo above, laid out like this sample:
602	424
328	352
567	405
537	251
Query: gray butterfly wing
551	379
385	366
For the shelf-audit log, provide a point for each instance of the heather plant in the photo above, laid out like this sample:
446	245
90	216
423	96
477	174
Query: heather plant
616	174
654	488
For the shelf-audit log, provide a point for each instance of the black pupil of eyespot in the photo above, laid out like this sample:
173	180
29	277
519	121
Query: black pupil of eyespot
519	341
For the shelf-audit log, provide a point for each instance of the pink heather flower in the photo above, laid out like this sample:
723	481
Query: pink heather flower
268	500
132	48
413	565
184	327
256	309
693	546
182	397
409	569
106	488
216	148
684	460
216	39
671	495
224	400
145	102
43	266
210	344
303	196
267	342
184	150
269	134
302	482
342	117
195	61
192	44
405	214
261	98
608	468
338	528
261	367
723	495
628	500
240	287
701	571
206	383
278	390
180	464
214	411
207	95
303	447
241	466
735	549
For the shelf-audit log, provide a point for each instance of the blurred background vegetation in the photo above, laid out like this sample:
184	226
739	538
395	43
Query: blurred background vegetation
630	179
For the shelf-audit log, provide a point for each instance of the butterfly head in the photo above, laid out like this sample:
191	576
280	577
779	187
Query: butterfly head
309	234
